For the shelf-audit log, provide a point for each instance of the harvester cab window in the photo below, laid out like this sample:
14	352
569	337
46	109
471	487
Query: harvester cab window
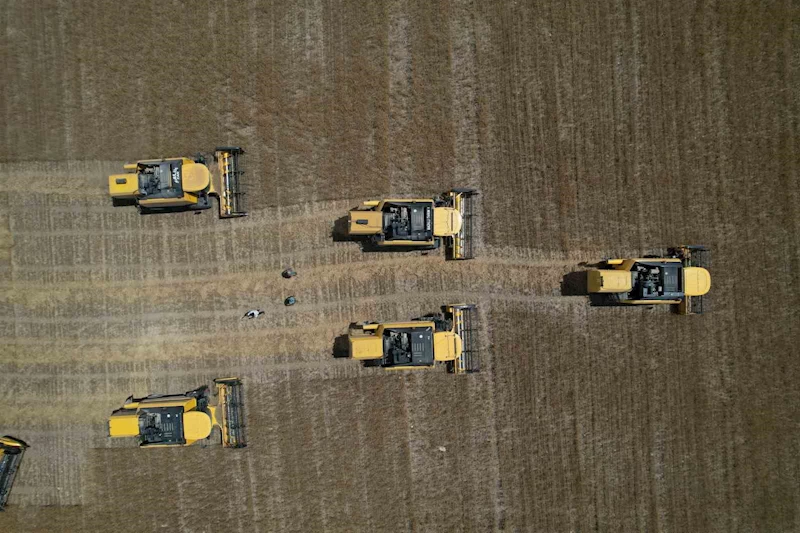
657	280
161	425
411	221
161	180
408	347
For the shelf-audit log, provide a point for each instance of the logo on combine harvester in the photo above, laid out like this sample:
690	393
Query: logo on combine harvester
176	175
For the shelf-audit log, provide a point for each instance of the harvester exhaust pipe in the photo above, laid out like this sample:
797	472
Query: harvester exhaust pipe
230	408
11	452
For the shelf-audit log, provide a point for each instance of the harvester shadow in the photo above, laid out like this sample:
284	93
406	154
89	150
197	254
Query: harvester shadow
604	300
341	347
123	202
575	284
339	232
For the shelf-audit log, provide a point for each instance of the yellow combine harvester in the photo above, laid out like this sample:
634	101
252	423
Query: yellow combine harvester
421	343
679	278
11	452
182	184
183	419
414	224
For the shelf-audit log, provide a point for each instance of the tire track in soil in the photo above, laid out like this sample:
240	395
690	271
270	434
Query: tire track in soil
316	287
398	302
122	298
94	416
147	366
100	415
601	419
400	72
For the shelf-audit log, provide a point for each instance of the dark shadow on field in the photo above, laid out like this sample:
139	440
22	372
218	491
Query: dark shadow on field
367	245
604	300
339	231
123	202
341	347
575	284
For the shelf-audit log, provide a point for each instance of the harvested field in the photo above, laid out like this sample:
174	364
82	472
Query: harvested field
592	129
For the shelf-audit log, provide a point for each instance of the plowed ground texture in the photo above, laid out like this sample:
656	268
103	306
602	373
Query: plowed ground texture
592	129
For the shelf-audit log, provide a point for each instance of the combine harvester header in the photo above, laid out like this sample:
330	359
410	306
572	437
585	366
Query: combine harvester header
183	419
230	169
11	452
460	245
464	319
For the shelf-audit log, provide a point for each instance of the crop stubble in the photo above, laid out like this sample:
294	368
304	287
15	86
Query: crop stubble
592	129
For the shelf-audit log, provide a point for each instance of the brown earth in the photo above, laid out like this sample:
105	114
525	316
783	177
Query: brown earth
593	129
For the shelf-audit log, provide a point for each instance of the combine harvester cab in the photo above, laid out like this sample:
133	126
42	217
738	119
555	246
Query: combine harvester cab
11	452
182	184
445	338
403	224
183	419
